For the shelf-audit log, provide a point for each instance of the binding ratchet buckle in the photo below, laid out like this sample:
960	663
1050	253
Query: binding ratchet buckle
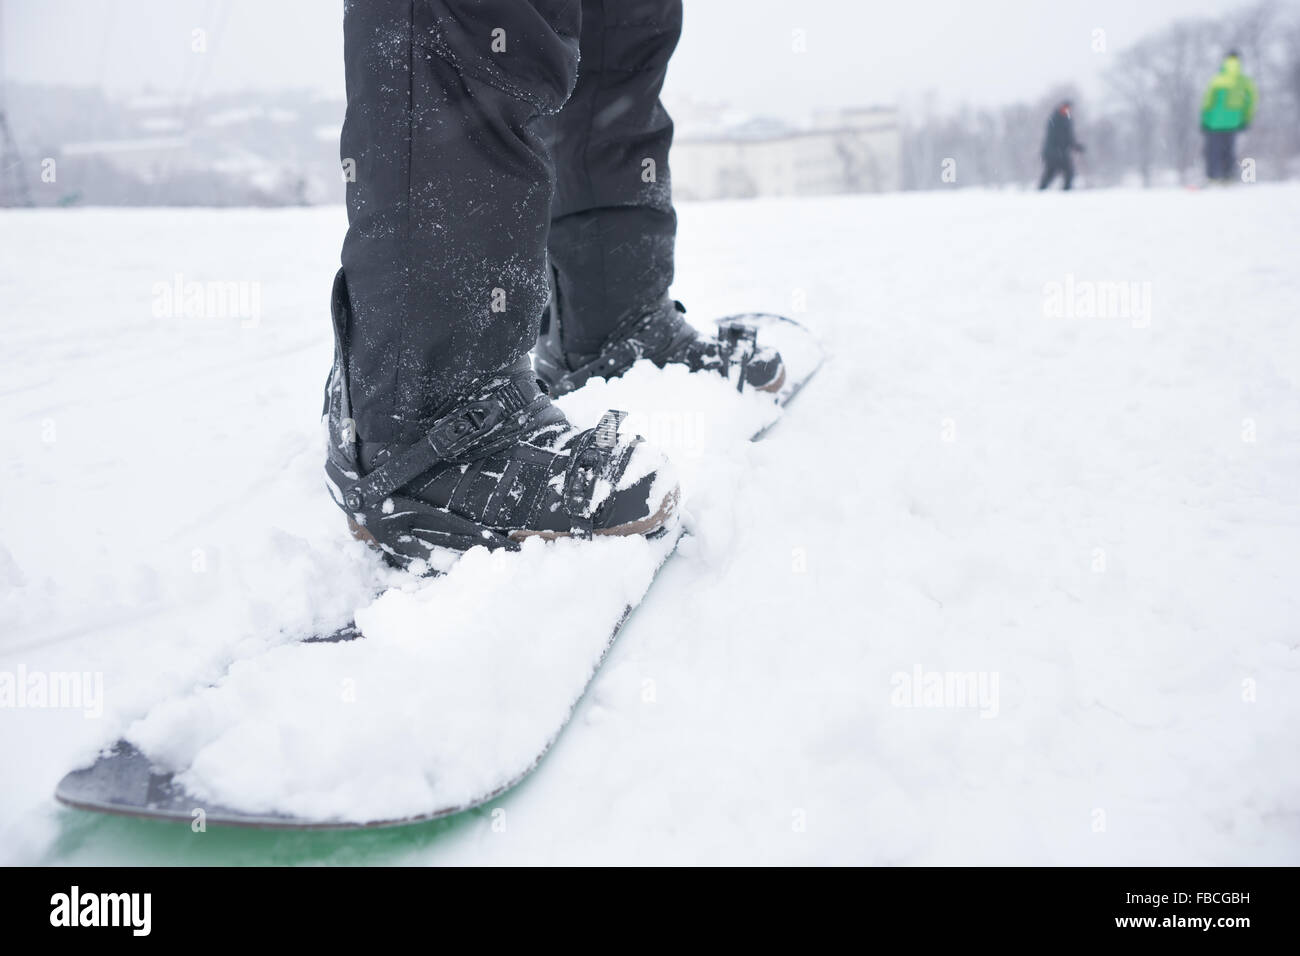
594	458
737	341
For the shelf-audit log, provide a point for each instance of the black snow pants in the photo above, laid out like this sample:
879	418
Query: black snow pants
487	142
1054	164
1220	154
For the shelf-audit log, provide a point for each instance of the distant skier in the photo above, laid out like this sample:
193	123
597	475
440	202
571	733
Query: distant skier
1060	146
1227	109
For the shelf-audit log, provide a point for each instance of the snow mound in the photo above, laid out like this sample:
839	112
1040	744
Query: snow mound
459	685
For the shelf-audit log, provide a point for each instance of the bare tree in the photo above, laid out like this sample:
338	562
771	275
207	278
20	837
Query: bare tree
1183	57
1022	140
1291	85
1133	81
859	167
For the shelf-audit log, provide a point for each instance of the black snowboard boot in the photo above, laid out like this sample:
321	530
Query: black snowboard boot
662	336
493	468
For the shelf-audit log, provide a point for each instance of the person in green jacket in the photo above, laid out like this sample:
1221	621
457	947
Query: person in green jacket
1226	110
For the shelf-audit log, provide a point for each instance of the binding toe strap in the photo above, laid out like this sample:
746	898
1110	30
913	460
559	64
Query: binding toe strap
594	457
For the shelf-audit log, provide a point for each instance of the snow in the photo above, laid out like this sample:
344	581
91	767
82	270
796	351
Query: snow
458	687
1093	520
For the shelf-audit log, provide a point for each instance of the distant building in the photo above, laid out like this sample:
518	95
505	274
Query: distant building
850	151
147	159
232	150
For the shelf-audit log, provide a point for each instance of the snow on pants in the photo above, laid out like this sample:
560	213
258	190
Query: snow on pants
1220	154
475	138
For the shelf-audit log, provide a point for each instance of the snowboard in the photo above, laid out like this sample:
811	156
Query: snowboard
125	780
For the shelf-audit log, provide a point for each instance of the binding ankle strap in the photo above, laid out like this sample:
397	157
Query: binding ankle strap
469	431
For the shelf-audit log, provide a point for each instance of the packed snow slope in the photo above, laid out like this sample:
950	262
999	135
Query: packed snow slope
1013	581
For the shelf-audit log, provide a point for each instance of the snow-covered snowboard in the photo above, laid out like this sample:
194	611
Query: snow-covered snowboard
462	682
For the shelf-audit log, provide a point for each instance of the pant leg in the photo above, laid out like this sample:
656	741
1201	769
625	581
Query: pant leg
445	254
1051	166
1229	159
1219	149
1067	170
613	228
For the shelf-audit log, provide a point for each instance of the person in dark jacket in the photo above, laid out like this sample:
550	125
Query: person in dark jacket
1060	146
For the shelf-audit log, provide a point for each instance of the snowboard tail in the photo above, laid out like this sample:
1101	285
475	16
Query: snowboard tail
124	781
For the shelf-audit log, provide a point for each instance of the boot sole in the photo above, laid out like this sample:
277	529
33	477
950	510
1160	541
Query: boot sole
773	386
361	534
648	526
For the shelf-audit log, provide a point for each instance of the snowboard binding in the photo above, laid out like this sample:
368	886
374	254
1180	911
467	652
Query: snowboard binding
737	342
493	469
664	337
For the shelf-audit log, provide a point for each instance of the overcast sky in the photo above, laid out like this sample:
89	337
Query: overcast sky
736	51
